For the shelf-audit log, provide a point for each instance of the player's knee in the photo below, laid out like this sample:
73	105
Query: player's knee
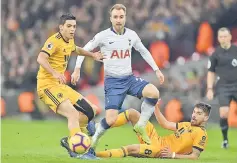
133	114
155	93
67	110
151	92
84	107
111	117
111	120
72	115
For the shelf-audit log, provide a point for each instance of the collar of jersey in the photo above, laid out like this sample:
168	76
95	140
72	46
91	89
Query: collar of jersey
63	38
225	50
111	28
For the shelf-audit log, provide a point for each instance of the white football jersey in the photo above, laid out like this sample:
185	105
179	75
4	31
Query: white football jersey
117	49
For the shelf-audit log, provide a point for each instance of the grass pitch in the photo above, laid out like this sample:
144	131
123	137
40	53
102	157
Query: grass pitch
38	142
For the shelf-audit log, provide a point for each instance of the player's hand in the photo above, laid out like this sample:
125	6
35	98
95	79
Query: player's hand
60	77
160	76
210	94
99	56
75	77
166	153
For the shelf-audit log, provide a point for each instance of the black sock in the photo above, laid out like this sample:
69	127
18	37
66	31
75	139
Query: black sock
224	128
104	124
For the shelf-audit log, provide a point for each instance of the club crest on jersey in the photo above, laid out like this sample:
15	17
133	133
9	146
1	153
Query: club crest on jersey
60	95
234	62
202	142
120	54
50	46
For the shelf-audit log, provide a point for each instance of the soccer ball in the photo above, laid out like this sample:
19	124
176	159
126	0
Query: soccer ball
79	143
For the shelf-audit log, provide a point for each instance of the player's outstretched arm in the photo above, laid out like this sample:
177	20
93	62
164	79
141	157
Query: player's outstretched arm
167	153
91	45
162	120
194	155
96	56
43	61
146	55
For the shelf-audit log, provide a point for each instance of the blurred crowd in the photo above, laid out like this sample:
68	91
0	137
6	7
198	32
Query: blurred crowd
26	24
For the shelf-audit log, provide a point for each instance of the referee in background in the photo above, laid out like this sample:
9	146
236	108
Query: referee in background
223	63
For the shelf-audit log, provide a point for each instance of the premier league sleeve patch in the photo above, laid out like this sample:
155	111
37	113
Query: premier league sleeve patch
49	46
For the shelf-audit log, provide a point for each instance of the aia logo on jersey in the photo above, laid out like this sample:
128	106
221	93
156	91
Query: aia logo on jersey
120	54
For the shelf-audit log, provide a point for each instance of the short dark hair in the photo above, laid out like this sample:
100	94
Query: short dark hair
204	106
65	17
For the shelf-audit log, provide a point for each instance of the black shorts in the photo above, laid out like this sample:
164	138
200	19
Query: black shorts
226	93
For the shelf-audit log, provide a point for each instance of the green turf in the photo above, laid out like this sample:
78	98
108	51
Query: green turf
38	142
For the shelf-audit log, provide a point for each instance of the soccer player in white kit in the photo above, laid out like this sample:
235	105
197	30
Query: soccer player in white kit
116	44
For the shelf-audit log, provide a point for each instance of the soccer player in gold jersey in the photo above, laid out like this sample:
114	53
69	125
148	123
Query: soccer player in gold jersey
187	142
52	90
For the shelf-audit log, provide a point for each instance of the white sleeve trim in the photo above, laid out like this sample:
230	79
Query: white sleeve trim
79	61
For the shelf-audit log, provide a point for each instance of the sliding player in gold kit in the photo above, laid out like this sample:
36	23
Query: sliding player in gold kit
187	142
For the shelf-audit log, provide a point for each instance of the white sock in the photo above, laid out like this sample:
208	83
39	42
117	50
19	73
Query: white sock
98	133
146	112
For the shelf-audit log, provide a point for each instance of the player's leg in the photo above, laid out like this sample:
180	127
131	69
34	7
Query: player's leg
135	150
224	101
84	121
122	119
141	88
112	105
110	117
86	109
56	98
129	115
132	115
70	103
115	93
151	95
67	110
